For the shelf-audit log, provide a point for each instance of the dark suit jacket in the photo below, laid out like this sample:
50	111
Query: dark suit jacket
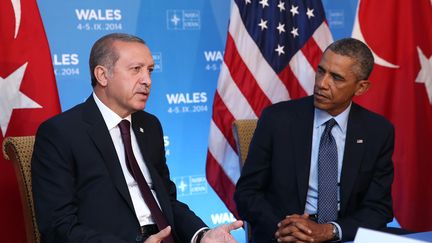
274	180
79	189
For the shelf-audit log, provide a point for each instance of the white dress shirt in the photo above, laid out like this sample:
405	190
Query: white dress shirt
112	120
141	210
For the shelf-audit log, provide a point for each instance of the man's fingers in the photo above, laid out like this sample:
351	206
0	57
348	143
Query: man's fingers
300	223
302	236
234	225
164	233
304	228
294	228
292	218
295	236
157	238
285	222
222	233
286	239
286	231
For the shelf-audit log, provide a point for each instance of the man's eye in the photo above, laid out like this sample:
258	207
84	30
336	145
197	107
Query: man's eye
338	78
136	69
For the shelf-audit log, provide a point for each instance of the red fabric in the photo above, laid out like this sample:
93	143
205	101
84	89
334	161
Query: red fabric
400	32
18	46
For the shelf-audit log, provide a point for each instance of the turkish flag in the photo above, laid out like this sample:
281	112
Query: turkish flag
28	96
400	35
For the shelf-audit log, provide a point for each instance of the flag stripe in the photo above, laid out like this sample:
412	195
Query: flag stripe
223	186
243	78
223	122
322	36
291	83
232	96
224	154
312	52
303	71
264	74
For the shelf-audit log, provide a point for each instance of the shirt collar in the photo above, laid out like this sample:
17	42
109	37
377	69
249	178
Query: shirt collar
110	117
322	117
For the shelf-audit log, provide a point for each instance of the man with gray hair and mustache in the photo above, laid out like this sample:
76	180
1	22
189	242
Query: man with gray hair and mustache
99	169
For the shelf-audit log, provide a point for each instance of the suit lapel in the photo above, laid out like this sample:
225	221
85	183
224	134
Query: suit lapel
302	135
142	133
354	149
98	132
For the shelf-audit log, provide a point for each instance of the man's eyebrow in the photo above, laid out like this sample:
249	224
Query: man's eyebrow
338	75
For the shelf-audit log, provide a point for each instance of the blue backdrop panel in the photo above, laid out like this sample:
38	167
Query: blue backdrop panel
187	39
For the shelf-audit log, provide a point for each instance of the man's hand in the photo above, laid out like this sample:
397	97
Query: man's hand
160	236
222	234
299	228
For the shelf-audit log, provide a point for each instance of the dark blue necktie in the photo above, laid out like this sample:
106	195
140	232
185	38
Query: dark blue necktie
327	175
136	173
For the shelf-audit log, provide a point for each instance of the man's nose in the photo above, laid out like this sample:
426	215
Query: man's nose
146	78
323	81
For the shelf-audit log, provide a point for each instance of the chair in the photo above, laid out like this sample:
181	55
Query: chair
19	150
243	131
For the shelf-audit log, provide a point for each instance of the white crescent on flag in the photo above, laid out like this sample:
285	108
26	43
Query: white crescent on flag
16	4
357	33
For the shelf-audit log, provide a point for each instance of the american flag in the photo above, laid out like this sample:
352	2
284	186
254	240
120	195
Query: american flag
272	50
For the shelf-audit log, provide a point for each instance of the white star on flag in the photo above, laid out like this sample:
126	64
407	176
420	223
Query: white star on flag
281	28
12	98
294	10
310	13
263	24
281	6
280	50
264	3
425	73
294	32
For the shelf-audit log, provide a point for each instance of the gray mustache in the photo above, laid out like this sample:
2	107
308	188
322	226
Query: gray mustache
145	88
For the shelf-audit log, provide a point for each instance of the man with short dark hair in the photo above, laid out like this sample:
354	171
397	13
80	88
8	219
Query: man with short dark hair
99	169
321	166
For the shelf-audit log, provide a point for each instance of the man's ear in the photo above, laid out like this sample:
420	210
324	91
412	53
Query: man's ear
362	87
101	74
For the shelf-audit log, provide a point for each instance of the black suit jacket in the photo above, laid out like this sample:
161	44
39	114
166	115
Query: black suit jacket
275	178
79	189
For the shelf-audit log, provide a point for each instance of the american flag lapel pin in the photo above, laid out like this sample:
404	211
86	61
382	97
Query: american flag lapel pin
359	141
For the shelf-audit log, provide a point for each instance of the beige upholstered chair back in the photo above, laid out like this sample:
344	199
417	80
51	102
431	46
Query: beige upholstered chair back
19	150
243	131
